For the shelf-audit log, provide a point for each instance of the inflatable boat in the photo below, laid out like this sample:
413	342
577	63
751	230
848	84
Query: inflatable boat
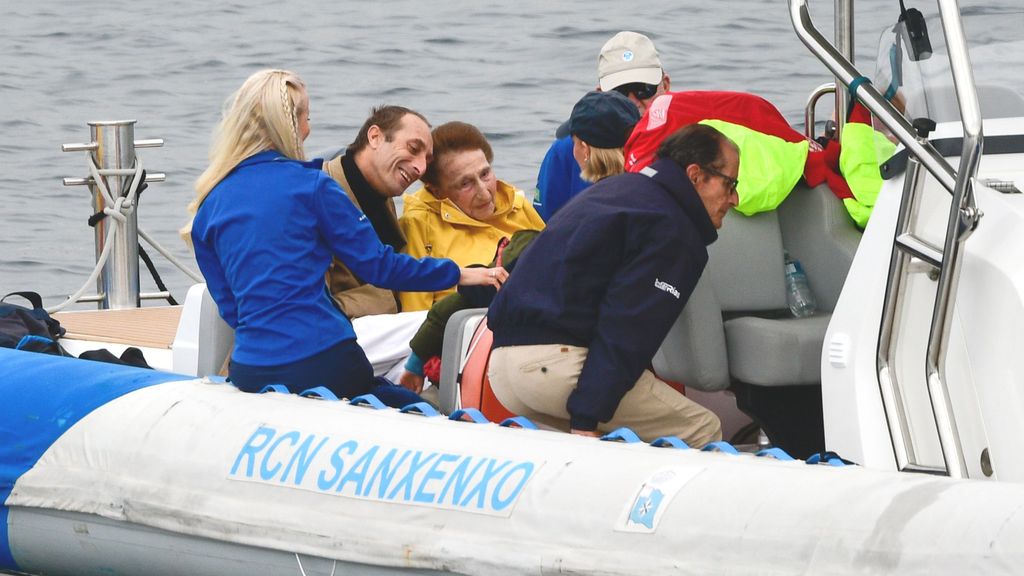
126	471
892	416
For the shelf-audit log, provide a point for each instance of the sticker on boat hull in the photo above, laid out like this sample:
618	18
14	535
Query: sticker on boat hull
372	470
647	506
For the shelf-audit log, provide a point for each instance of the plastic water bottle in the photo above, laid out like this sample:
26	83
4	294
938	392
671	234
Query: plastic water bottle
798	291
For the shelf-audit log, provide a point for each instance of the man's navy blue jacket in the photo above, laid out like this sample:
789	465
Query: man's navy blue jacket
611	273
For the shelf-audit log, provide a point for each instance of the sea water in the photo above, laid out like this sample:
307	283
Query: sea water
514	69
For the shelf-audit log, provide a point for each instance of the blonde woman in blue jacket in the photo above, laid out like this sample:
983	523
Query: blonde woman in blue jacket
265	227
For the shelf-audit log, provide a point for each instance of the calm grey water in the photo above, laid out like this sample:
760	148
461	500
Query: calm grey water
512	68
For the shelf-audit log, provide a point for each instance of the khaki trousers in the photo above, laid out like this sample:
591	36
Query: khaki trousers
535	381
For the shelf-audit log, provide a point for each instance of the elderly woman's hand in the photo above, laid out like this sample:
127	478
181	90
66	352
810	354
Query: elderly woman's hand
411	381
483	277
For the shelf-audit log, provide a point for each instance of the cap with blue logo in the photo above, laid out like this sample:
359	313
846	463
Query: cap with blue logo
626	58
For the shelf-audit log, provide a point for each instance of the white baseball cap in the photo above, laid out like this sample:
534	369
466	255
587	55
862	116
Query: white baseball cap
628	57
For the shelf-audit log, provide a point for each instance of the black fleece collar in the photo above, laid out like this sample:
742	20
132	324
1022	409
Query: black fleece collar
373	204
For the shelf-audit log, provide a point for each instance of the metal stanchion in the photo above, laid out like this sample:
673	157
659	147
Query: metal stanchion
112	151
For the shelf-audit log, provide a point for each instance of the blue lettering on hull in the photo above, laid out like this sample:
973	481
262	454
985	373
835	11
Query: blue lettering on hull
372	471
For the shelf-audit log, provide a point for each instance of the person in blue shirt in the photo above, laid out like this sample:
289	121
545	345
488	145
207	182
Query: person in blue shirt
266	224
628	64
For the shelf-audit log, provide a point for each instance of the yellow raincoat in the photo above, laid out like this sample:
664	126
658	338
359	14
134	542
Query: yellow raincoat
437	228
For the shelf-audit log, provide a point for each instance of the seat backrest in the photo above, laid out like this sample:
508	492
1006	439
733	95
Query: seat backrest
817	231
203	340
458	334
464	360
693	352
746	263
474	385
745	275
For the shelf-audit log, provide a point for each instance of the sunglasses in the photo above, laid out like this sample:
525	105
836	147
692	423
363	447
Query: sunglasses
730	182
641	90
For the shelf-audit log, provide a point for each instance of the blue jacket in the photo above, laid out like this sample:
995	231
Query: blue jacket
611	273
263	239
558	180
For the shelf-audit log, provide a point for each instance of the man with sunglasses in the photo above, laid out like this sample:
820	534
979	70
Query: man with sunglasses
578	324
628	64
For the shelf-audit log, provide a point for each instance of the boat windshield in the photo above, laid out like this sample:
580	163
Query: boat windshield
921	84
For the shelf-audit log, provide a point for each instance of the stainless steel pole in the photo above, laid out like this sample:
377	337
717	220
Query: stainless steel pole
118	284
845	45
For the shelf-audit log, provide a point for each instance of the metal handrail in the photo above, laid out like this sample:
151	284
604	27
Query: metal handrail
868	95
812	102
888	382
963	218
843	19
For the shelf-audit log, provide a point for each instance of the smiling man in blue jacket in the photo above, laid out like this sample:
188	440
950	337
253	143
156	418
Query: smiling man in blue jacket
594	295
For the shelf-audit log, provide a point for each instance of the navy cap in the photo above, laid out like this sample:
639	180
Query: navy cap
562	131
603	119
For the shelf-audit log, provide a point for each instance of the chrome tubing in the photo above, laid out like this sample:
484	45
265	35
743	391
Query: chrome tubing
119	282
892	399
845	44
812	102
874	101
150	177
963	218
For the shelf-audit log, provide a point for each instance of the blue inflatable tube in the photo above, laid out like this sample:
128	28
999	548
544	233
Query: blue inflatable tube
41	397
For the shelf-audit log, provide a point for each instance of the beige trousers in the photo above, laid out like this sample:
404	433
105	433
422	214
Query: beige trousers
535	381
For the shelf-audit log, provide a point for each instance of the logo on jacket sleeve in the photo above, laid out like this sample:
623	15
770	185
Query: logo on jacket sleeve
666	287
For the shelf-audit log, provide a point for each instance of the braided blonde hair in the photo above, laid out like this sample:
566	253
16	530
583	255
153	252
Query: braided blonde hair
262	115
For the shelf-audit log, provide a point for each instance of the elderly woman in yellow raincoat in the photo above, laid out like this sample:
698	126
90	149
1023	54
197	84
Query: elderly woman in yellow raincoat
463	210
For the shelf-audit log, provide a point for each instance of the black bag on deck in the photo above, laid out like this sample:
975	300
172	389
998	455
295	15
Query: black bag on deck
34	330
17	322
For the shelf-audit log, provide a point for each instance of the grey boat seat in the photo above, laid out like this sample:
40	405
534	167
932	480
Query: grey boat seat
776	352
458	333
736	330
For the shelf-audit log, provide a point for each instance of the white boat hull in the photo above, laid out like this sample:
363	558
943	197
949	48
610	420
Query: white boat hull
192	477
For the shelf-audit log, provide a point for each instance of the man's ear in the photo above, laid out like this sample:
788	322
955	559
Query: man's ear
374	136
668	83
693	171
